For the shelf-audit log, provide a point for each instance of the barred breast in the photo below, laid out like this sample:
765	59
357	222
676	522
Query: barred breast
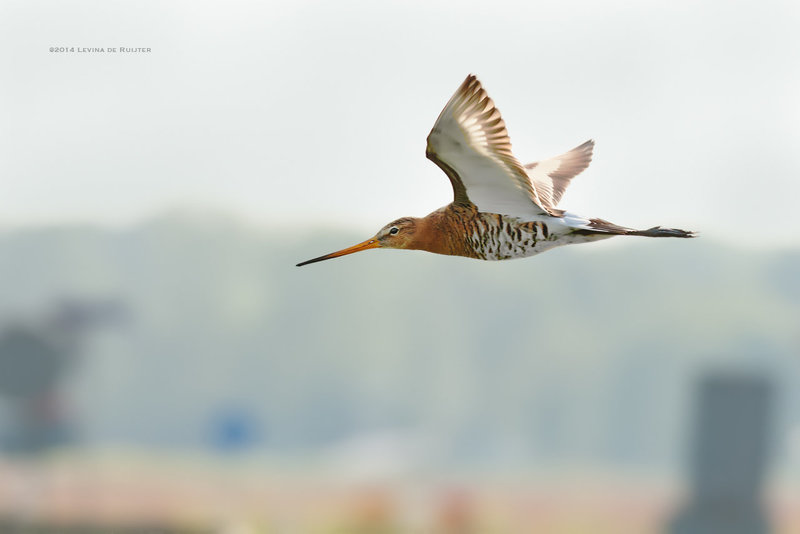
464	231
497	237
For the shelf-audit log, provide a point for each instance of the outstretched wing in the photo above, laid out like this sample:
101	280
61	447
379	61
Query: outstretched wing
552	176
470	143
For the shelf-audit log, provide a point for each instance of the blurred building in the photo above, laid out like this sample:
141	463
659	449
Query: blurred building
35	357
729	457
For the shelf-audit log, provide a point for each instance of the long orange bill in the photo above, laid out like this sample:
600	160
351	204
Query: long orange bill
369	243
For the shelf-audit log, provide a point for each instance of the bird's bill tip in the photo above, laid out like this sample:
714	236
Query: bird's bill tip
365	245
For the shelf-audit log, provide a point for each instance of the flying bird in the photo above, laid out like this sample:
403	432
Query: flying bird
501	209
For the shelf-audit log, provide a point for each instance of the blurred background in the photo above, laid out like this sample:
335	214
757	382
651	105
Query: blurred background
164	367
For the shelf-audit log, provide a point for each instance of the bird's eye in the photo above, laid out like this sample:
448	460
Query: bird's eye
393	230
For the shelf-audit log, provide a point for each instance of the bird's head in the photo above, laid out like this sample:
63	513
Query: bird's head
397	234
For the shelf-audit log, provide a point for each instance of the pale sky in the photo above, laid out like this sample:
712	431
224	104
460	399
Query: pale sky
311	114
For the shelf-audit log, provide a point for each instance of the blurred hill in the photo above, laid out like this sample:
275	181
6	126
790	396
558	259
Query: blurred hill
580	356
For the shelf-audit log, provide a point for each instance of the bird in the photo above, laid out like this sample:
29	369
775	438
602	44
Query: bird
501	209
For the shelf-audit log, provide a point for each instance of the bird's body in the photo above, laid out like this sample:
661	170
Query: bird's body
501	209
464	231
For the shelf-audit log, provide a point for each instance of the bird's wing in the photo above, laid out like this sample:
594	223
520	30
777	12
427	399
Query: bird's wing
470	143
551	176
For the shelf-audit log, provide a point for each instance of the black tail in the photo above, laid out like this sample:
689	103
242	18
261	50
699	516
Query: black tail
599	226
657	231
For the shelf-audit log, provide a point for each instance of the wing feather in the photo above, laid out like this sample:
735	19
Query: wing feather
552	176
470	143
